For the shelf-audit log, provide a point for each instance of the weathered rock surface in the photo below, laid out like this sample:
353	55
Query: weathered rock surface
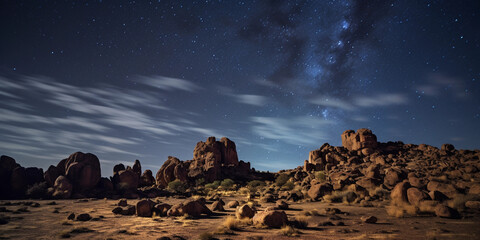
83	171
271	218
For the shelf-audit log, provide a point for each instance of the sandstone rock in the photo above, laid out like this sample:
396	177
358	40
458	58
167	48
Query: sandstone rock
128	210
271	218
84	217
472	204
474	189
369	219
437	196
71	216
446	212
147	179
394	176
448	189
166	173
117	168
319	190
217	206
63	188
144	208
244	211
51	175
416	182
83	171
126	180
161	209
415	196
19	181
233	204
192	208
137	168
34	175
122	202
399	192
117	210
362	139
282	205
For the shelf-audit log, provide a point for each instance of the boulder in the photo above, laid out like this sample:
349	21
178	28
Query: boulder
161	209
7	164
448	189
217	206
271	218
399	192
147	179
51	175
19	181
233	204
137	168
83	217
126	180
444	211
363	140
83	171
117	168
415	196
166	173
282	205
144	208
62	188
244	211
369	219
191	208
319	190
34	175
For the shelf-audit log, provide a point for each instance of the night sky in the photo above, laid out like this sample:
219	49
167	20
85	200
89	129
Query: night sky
143	80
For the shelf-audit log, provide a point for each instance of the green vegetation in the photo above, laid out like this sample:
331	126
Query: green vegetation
254	185
320	176
282	179
288	186
227	184
177	186
213	185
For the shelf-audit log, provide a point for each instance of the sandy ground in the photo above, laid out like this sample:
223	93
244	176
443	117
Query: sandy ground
50	222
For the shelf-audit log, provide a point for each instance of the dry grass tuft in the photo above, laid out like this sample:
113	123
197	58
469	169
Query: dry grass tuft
205	236
313	212
458	201
231	223
401	209
300	222
289	231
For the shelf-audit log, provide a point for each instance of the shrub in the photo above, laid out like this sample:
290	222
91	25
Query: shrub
281	179
205	236
227	183
199	182
289	231
288	186
38	190
231	223
177	186
320	176
253	185
300	222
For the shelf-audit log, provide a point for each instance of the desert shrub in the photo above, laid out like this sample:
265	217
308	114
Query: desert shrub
231	223
177	186
205	236
37	190
289	185
227	183
340	196
289	231
213	185
281	179
300	222
320	176
313	212
255	184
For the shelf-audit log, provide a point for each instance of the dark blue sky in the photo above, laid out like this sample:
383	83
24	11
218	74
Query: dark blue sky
145	80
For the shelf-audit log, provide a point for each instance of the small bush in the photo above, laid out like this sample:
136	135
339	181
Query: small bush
205	236
288	186
281	179
313	212
320	176
254	185
177	186
38	190
199	182
227	183
289	231
231	223
300	222
213	185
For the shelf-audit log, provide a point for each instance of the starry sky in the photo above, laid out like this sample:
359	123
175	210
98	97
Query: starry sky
130	80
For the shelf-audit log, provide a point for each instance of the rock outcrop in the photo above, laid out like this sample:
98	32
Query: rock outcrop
212	160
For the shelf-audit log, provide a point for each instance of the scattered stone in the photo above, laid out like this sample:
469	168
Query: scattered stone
71	216
282	205
271	218
122	202
369	219
233	204
117	210
244	211
144	208
446	212
84	217
472	204
217	206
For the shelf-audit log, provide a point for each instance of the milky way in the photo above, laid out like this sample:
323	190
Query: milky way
144	80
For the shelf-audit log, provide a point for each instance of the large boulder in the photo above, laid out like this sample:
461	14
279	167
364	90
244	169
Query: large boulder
83	171
399	192
147	179
117	168
271	218
62	188
415	196
317	191
7	164
170	170
137	168
144	208
363	140
19	181
244	211
126	180
191	208
51	175
34	175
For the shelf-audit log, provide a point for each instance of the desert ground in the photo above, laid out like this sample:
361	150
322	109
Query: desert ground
49	220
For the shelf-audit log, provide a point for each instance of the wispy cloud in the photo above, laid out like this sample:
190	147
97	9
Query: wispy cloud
358	102
250	99
296	131
168	83
438	84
